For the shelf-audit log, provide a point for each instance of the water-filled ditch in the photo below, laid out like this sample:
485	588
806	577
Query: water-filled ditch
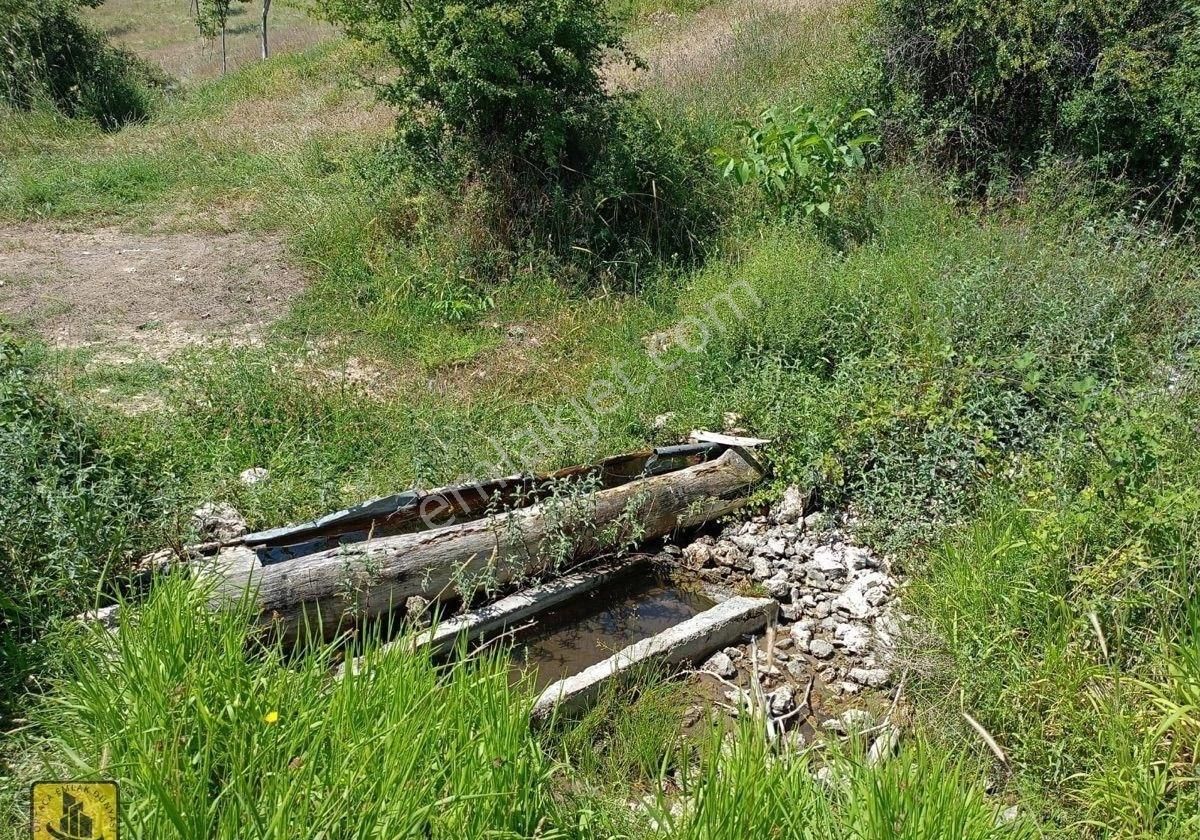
592	627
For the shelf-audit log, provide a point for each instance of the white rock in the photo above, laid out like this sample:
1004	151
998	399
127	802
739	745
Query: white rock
857	557
828	559
851	720
721	665
783	700
791	506
776	546
855	638
795	740
663	420
697	555
729	555
254	475
779	586
876	596
871	677
853	600
746	542
218	521
761	569
820	648
883	746
106	617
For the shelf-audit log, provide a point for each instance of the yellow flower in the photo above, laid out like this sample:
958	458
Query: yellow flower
271	718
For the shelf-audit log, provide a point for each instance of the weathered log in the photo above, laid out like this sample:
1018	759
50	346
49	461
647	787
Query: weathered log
330	589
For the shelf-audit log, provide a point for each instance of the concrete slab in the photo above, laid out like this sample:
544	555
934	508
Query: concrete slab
688	641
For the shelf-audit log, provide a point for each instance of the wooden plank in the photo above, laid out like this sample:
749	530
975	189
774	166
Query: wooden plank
485	622
701	436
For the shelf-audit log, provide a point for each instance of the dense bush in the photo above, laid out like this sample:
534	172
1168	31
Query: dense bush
67	511
994	85
48	54
490	78
502	111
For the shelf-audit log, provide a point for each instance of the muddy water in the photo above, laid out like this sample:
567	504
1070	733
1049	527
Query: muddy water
595	626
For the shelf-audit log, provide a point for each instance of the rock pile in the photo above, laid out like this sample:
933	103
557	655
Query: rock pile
839	601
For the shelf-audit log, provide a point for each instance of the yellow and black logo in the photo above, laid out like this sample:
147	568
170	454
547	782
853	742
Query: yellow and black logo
74	811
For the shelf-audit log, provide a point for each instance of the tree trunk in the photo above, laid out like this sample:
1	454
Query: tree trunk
266	8
331	589
224	55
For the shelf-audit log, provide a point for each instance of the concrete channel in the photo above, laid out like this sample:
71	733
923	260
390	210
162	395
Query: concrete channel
688	641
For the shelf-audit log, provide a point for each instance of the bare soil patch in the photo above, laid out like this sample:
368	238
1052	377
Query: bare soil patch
151	294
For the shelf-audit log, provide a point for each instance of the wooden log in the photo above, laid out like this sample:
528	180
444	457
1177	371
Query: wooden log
330	590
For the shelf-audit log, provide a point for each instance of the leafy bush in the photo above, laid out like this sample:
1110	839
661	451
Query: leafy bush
68	509
503	78
49	54
799	159
993	86
502	112
904	374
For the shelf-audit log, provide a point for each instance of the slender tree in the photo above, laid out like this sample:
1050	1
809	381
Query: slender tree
212	19
266	8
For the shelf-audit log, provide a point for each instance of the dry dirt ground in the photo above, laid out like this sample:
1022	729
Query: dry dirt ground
142	294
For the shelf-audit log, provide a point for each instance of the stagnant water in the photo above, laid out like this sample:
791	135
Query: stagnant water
594	626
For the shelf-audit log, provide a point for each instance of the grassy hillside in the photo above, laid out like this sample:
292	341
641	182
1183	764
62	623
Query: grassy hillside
1005	397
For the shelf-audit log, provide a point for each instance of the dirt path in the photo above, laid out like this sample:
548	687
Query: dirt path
678	51
140	294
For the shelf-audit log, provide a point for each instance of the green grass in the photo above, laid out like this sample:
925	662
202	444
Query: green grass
214	735
987	389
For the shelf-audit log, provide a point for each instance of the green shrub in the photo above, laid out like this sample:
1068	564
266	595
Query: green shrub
68	513
1065	621
992	86
904	374
799	159
501	78
502	112
48	54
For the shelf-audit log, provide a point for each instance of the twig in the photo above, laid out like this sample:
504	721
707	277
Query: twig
1095	620
717	677
760	698
987	738
887	719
